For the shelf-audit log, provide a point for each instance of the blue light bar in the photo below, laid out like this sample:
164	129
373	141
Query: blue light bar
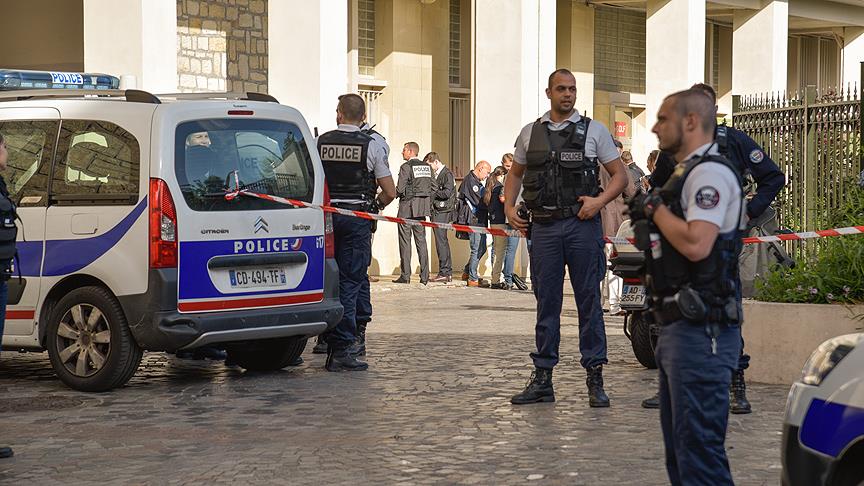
15	79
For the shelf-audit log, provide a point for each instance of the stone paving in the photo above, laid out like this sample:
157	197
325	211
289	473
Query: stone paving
432	409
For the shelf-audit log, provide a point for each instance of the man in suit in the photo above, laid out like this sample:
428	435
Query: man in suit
414	190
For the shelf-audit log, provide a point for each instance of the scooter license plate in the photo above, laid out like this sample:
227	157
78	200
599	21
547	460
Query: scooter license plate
632	297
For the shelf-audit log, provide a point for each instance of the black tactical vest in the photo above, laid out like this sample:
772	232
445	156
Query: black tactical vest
419	180
8	230
715	278
558	172
344	157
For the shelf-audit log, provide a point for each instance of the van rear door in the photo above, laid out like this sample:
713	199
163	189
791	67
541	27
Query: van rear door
245	252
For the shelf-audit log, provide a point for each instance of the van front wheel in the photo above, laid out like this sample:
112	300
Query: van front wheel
267	355
89	342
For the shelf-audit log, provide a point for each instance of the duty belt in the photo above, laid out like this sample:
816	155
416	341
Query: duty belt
542	215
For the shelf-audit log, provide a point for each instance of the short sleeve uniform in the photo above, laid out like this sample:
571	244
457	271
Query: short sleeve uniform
598	140
711	193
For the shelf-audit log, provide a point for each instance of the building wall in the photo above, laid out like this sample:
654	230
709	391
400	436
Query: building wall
222	45
55	26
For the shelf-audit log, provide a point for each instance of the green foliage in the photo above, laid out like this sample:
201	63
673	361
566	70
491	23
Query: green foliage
836	276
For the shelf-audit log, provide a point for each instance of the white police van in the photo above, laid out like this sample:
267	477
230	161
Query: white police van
127	242
823	433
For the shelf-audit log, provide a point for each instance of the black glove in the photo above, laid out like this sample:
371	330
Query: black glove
642	206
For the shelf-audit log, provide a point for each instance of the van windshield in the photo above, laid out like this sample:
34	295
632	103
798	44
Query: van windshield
267	156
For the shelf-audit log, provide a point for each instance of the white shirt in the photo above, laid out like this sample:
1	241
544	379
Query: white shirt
711	193
598	140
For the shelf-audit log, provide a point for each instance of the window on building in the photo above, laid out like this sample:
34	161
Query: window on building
712	55
96	157
455	43
373	107
366	37
460	135
814	61
619	50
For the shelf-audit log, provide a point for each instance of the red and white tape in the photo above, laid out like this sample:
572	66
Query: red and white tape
852	230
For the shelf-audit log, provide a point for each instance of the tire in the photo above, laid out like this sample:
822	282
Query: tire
643	340
267	355
849	471
111	355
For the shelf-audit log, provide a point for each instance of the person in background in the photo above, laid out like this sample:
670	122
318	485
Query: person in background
472	190
652	166
7	250
443	203
611	217
636	174
494	199
414	188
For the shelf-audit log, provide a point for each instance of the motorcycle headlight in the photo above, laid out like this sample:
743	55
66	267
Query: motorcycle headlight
826	357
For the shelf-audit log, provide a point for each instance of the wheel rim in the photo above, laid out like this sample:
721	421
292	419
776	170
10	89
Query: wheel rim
83	340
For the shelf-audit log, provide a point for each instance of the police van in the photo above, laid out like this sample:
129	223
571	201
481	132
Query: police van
128	243
823	433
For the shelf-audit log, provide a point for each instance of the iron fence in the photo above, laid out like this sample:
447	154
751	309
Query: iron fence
815	138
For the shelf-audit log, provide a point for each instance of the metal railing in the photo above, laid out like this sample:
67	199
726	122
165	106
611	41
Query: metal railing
815	137
460	136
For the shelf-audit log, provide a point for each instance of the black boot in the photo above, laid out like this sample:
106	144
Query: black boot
596	396
341	360
6	452
738	403
320	346
538	389
358	348
653	402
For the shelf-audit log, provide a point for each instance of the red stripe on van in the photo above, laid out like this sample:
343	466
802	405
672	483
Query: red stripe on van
20	314
244	303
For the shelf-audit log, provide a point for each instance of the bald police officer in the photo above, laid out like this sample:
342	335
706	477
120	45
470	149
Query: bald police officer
355	165
557	160
690	231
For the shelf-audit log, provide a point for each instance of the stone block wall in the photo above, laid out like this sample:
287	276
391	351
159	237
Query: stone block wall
222	45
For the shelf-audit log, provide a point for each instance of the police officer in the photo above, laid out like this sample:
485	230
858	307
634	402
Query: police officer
8	234
557	161
355	165
443	203
414	190
690	231
749	158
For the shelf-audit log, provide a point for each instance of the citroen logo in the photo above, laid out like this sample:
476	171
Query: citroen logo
261	224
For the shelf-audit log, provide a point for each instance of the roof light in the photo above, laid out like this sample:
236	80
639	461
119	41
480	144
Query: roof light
22	79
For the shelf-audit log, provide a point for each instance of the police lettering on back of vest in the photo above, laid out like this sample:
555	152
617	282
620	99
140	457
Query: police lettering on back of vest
420	184
706	288
557	171
344	156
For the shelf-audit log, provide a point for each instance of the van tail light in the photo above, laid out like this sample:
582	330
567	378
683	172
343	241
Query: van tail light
329	242
163	226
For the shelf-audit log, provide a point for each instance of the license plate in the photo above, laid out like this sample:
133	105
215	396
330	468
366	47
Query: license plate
632	296
257	277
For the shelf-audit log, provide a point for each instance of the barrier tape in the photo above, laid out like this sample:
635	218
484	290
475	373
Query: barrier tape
852	230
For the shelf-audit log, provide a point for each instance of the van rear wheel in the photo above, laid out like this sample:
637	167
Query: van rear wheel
267	355
89	343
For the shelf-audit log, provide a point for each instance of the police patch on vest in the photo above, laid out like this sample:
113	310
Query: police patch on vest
341	153
570	156
757	156
707	197
422	170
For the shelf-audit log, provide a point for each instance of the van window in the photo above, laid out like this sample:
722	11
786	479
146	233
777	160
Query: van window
31	146
267	156
96	160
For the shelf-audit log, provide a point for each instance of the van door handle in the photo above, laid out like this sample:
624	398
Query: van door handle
253	260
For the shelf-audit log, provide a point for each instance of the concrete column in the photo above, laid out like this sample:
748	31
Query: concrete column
760	46
308	57
575	33
133	37
853	54
675	30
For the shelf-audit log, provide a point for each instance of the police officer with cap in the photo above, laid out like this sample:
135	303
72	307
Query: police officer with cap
558	161
355	165
749	158
8	234
690	230
415	190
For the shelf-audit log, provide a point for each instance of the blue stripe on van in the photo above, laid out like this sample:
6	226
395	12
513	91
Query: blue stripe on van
829	427
194	276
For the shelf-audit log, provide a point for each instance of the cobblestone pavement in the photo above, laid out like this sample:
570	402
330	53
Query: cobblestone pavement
433	408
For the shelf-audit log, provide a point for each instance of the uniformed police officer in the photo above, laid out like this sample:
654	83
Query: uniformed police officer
414	189
690	230
557	161
749	158
443	204
8	234
355	165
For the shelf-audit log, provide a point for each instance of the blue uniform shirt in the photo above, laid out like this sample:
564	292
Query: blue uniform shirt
749	156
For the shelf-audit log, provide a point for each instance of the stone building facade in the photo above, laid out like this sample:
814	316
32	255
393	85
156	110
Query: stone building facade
222	45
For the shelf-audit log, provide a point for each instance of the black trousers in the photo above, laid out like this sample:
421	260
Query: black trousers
442	245
419	232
